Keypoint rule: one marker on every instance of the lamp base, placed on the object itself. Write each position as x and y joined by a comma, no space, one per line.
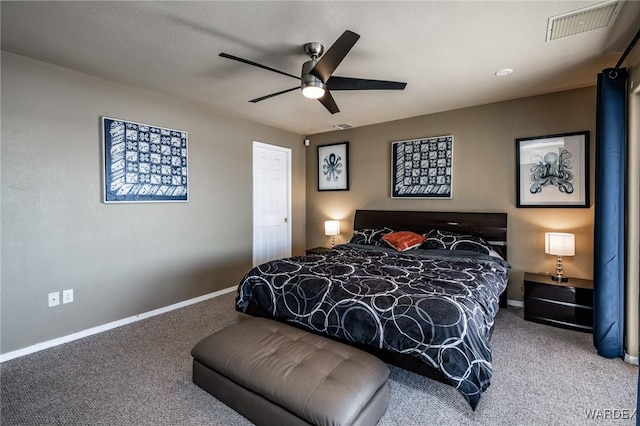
558,276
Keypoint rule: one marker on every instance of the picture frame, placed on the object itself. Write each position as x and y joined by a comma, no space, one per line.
143,162
422,168
553,170
333,167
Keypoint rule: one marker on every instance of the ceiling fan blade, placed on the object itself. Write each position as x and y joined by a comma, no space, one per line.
329,103
255,64
335,54
348,83
273,94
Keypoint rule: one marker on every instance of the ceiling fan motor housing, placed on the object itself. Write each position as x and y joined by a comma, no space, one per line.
309,80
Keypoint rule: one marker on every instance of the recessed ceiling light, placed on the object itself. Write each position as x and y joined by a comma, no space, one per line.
503,72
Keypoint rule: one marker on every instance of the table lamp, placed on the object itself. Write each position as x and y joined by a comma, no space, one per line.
332,228
559,244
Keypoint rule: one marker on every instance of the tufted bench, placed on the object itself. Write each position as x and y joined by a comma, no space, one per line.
276,374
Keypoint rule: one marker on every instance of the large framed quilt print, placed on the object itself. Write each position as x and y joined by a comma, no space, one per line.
143,163
422,168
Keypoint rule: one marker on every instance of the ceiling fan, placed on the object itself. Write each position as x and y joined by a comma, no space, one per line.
317,81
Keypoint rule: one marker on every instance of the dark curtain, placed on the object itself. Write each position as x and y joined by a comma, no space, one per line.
608,286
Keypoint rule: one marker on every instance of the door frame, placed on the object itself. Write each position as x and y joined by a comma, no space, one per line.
287,152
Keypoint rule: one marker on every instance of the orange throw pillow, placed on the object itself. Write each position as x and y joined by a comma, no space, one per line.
403,240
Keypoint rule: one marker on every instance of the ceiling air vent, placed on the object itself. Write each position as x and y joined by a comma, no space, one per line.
582,20
343,126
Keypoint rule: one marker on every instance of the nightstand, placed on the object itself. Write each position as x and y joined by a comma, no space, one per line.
317,250
566,304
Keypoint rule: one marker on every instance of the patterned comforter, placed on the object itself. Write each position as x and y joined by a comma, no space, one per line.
437,305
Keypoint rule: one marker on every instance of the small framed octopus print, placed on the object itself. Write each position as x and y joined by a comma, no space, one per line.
333,167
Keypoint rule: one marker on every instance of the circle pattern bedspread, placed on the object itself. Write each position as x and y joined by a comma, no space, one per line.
436,305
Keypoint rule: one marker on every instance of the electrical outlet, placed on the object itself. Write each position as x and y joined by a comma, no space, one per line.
67,296
54,299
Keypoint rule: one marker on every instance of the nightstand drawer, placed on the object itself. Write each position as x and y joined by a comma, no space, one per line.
559,314
578,296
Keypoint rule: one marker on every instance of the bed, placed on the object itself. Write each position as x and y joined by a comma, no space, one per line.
429,309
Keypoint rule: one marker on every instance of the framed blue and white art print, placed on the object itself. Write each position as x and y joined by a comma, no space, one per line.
333,167
143,163
422,168
553,170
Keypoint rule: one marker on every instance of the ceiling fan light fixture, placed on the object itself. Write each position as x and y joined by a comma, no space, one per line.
312,89
312,86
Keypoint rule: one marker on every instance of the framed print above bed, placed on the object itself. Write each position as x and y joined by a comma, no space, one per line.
553,171
333,167
143,163
422,168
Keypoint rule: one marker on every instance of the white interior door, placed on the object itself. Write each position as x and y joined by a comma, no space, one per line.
271,202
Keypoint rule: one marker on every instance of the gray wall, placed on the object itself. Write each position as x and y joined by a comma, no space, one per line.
120,259
632,319
483,175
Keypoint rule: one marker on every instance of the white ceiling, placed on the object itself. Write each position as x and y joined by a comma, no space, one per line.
446,51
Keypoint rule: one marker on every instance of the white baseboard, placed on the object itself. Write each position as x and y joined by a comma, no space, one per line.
109,326
630,359
515,303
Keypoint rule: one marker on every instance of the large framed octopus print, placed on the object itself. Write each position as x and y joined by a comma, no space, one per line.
553,171
333,167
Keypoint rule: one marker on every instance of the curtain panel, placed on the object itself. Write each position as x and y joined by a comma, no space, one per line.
609,238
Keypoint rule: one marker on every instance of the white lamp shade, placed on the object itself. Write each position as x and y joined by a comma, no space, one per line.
560,244
331,227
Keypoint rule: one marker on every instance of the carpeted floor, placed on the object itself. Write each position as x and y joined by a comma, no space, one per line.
140,374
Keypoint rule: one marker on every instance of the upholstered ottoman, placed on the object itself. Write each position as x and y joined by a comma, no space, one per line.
276,374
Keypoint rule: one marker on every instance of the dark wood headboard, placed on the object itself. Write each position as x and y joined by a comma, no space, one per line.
489,226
